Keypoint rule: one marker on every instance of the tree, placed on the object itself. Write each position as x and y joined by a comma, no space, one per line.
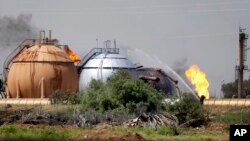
230,89
121,92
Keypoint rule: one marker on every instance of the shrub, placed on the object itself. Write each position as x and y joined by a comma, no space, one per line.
188,108
121,92
59,97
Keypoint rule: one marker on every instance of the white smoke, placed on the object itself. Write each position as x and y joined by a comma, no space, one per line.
148,60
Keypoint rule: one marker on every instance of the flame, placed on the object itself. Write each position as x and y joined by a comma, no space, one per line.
74,57
198,78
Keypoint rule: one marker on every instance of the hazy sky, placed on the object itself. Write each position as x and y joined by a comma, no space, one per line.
202,32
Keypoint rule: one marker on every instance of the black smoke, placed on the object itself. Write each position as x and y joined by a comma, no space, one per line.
13,30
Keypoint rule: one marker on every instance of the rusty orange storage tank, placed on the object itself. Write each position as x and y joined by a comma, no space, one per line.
39,70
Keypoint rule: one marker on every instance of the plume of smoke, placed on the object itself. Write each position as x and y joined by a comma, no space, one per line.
180,66
149,60
138,56
13,30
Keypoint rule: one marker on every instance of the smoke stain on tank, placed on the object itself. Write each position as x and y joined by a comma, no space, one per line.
32,78
56,81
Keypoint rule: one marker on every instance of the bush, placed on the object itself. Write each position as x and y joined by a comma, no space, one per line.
188,108
59,97
121,92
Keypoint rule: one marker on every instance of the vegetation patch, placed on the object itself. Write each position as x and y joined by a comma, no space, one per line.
168,133
188,110
149,132
60,97
234,118
122,93
12,131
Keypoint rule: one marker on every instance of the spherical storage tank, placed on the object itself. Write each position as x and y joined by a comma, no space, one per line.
100,64
38,70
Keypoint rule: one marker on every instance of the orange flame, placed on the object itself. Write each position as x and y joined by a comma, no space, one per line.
198,78
74,57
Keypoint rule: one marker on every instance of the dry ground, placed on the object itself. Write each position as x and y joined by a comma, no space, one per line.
103,132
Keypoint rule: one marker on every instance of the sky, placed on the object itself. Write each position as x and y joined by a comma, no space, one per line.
177,33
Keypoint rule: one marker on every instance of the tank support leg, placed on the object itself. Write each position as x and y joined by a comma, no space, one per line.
7,92
18,90
42,87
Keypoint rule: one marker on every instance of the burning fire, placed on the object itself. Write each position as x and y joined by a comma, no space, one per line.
198,78
74,57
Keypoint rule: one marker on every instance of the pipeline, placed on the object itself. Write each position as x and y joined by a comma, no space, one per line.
25,101
227,102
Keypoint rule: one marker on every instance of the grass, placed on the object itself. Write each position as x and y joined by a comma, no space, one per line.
200,134
169,133
12,131
149,132
233,118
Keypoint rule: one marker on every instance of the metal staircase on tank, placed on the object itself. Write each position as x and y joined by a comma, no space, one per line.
8,61
92,53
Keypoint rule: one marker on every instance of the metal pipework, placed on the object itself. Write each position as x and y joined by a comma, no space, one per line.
227,102
40,37
25,101
50,35
173,80
143,77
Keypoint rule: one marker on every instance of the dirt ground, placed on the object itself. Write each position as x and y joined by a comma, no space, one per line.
102,133
105,135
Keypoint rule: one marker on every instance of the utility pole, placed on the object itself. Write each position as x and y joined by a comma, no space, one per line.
242,58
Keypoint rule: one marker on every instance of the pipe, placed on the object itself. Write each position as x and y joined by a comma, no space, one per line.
40,37
7,92
226,102
149,78
18,89
41,83
25,101
114,43
138,67
178,92
50,35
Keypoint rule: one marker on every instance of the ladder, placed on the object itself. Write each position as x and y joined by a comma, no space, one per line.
8,61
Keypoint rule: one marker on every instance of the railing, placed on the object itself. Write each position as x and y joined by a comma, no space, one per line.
94,52
10,58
